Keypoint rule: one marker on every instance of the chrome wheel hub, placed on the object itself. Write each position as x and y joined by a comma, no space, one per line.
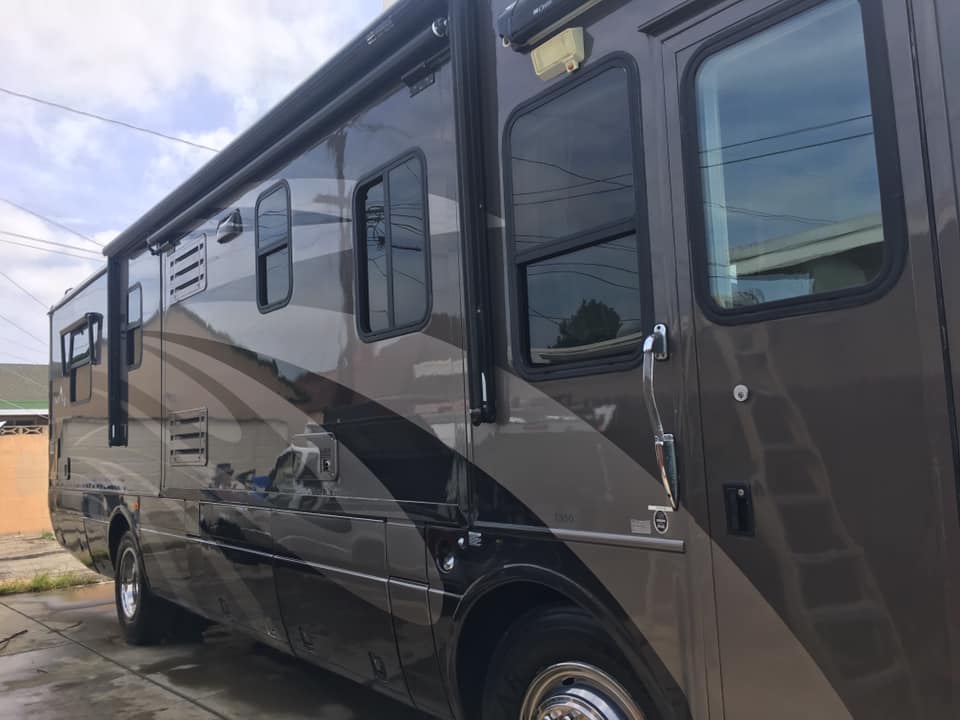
577,691
129,579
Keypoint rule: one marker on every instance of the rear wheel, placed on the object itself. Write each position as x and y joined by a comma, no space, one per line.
558,663
144,618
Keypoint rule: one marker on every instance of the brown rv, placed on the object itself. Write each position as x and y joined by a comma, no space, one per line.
553,359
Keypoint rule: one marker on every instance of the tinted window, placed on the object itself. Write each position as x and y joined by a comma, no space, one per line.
788,161
272,218
274,266
584,303
571,161
276,276
392,249
134,305
407,242
134,330
375,224
80,345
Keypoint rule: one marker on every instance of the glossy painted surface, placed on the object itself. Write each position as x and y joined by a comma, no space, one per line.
332,482
847,550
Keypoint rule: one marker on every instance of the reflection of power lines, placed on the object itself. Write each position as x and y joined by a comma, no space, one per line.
396,271
606,181
565,170
798,131
772,216
544,239
545,271
785,151
564,198
595,264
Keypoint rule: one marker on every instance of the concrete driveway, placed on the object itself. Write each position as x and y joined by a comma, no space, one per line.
72,663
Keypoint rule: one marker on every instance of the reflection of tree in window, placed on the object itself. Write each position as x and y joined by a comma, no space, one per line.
593,322
588,298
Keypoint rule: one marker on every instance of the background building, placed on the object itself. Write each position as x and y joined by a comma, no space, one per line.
24,451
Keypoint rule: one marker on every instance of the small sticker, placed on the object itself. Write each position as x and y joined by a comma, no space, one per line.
639,527
661,508
661,522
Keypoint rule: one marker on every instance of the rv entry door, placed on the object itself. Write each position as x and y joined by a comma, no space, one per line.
799,197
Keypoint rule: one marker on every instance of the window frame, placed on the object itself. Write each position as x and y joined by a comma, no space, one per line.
361,294
637,225
886,149
260,252
91,324
128,326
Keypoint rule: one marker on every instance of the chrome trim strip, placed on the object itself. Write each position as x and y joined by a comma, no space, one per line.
407,584
328,568
589,536
299,513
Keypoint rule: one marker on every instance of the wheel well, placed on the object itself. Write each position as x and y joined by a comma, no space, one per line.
118,526
483,627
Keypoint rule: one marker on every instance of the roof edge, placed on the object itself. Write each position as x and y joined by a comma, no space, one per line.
376,42
76,290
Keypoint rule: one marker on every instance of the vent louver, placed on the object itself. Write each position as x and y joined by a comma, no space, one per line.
187,268
188,437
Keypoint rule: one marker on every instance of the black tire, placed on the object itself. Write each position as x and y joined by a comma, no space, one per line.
545,638
144,618
188,627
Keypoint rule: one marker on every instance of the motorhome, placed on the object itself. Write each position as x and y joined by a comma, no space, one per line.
552,359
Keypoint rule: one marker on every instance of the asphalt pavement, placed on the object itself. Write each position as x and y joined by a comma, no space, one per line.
72,663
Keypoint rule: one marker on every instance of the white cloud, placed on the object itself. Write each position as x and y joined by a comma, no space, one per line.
44,273
199,70
104,54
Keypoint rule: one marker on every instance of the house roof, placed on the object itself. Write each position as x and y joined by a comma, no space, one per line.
24,387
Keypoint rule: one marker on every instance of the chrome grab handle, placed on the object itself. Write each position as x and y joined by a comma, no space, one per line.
654,349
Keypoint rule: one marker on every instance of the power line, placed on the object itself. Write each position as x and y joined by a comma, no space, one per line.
34,238
24,330
571,172
51,221
47,250
13,282
103,118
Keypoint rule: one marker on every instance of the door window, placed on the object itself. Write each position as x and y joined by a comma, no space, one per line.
787,160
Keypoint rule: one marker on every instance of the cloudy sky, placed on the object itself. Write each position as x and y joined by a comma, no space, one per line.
198,70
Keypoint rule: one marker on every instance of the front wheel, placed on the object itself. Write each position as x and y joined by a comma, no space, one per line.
558,663
144,618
